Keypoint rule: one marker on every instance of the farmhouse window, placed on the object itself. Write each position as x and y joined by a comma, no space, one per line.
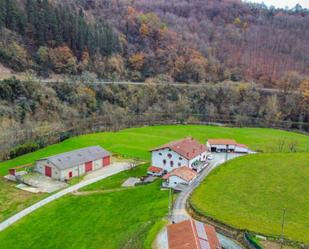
180,158
169,155
172,163
179,164
160,153
164,161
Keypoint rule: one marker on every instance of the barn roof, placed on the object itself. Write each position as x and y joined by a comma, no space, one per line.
187,147
77,157
222,141
183,172
192,234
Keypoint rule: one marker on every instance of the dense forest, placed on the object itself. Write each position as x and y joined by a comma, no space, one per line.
245,65
41,113
182,41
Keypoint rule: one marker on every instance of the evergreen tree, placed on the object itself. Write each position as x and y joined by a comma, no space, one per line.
2,13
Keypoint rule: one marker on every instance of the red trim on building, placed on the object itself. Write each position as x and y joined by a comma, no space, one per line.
48,171
88,166
106,161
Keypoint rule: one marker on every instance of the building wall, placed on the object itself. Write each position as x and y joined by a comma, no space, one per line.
201,157
76,171
97,164
241,149
158,156
175,180
64,174
220,146
40,167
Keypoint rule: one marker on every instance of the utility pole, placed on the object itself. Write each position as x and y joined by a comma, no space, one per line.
282,227
169,202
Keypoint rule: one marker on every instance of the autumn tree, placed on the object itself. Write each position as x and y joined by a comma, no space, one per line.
62,59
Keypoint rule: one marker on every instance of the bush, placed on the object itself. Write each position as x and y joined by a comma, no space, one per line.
23,149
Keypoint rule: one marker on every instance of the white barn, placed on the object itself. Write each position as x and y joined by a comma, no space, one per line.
185,152
73,163
226,145
182,175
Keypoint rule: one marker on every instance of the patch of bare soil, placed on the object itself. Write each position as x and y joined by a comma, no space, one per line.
99,191
273,245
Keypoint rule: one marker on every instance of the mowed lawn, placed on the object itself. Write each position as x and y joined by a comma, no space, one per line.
127,218
13,199
135,142
120,214
251,193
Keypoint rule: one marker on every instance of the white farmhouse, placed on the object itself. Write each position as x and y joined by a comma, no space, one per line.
185,152
179,176
226,145
74,163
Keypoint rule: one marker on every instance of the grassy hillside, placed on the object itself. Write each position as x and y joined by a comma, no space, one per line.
116,217
251,193
136,142
127,217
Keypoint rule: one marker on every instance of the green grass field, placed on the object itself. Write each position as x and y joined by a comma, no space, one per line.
136,142
251,193
111,219
122,219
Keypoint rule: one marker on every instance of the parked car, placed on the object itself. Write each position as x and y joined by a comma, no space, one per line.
210,157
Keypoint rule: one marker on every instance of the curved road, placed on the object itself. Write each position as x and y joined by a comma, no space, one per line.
105,172
179,212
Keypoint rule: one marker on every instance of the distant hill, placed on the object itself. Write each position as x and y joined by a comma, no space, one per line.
177,40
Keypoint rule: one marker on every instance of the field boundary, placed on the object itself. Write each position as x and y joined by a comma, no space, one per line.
235,233
10,221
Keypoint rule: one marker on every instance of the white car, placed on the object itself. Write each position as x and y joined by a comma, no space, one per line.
210,157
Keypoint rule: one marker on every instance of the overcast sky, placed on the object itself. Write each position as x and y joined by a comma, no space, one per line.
284,3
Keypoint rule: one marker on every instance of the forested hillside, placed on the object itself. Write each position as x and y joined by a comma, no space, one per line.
182,41
234,48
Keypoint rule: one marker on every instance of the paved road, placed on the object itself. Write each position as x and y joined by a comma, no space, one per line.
179,208
177,84
179,212
106,172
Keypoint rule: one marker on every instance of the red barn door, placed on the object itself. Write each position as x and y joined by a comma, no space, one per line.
88,166
106,161
48,171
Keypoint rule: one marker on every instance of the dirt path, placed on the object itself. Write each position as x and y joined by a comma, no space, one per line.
103,191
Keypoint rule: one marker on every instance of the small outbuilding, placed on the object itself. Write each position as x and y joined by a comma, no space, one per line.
182,175
226,145
73,163
155,171
241,148
192,234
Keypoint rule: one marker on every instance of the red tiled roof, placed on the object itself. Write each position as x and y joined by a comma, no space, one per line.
155,169
187,147
191,234
183,172
182,236
222,141
242,145
212,237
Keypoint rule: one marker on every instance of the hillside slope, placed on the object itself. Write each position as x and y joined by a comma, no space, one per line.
187,41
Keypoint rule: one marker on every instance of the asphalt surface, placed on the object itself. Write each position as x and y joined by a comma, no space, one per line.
179,212
179,208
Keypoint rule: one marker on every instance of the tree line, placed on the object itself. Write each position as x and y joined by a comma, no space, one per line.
31,109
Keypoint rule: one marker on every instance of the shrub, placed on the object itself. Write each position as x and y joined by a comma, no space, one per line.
23,149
